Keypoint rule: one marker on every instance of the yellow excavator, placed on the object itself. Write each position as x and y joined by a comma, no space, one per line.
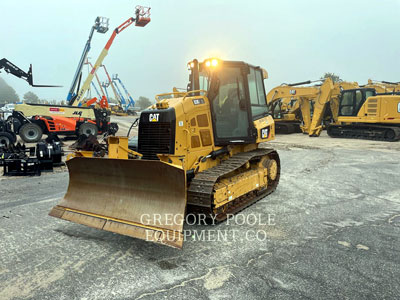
364,114
299,112
326,109
197,152
383,87
309,108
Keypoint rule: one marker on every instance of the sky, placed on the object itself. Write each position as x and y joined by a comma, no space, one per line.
293,40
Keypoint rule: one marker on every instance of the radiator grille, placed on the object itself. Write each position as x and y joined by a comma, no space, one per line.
372,107
155,138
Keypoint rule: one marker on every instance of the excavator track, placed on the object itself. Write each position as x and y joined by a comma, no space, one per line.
365,132
287,127
201,190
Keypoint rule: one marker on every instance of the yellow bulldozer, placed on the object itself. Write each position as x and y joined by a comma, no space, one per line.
197,153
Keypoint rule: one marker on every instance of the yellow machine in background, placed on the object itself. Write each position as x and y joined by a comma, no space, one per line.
365,115
308,107
299,114
199,154
320,117
383,87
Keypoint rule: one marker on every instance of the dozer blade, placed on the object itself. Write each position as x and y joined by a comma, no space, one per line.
140,198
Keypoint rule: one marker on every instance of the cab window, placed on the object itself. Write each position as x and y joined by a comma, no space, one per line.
229,105
347,104
257,93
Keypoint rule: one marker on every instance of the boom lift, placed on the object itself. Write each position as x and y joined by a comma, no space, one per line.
105,85
141,19
119,108
101,26
121,96
364,114
31,121
131,102
199,154
103,103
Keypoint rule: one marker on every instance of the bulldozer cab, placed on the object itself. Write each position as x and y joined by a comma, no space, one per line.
352,100
237,96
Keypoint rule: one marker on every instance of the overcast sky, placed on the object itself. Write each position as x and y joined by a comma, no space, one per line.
293,40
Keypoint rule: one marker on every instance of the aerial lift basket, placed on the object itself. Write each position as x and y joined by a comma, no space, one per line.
142,16
139,198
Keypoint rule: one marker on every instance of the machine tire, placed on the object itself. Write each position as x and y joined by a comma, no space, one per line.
30,132
113,129
7,138
88,129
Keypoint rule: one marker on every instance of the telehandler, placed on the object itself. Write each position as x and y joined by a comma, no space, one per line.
198,152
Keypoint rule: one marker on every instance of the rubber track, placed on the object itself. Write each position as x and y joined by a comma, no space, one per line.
201,189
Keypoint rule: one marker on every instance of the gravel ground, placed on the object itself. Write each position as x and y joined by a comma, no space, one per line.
331,230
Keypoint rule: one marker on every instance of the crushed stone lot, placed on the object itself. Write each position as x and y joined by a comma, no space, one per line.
330,230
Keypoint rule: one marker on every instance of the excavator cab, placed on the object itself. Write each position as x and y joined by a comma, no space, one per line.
352,100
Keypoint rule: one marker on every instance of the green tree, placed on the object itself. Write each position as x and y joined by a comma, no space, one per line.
335,78
31,97
7,93
143,102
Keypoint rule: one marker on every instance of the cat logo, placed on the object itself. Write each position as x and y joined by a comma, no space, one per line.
79,113
154,117
265,133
